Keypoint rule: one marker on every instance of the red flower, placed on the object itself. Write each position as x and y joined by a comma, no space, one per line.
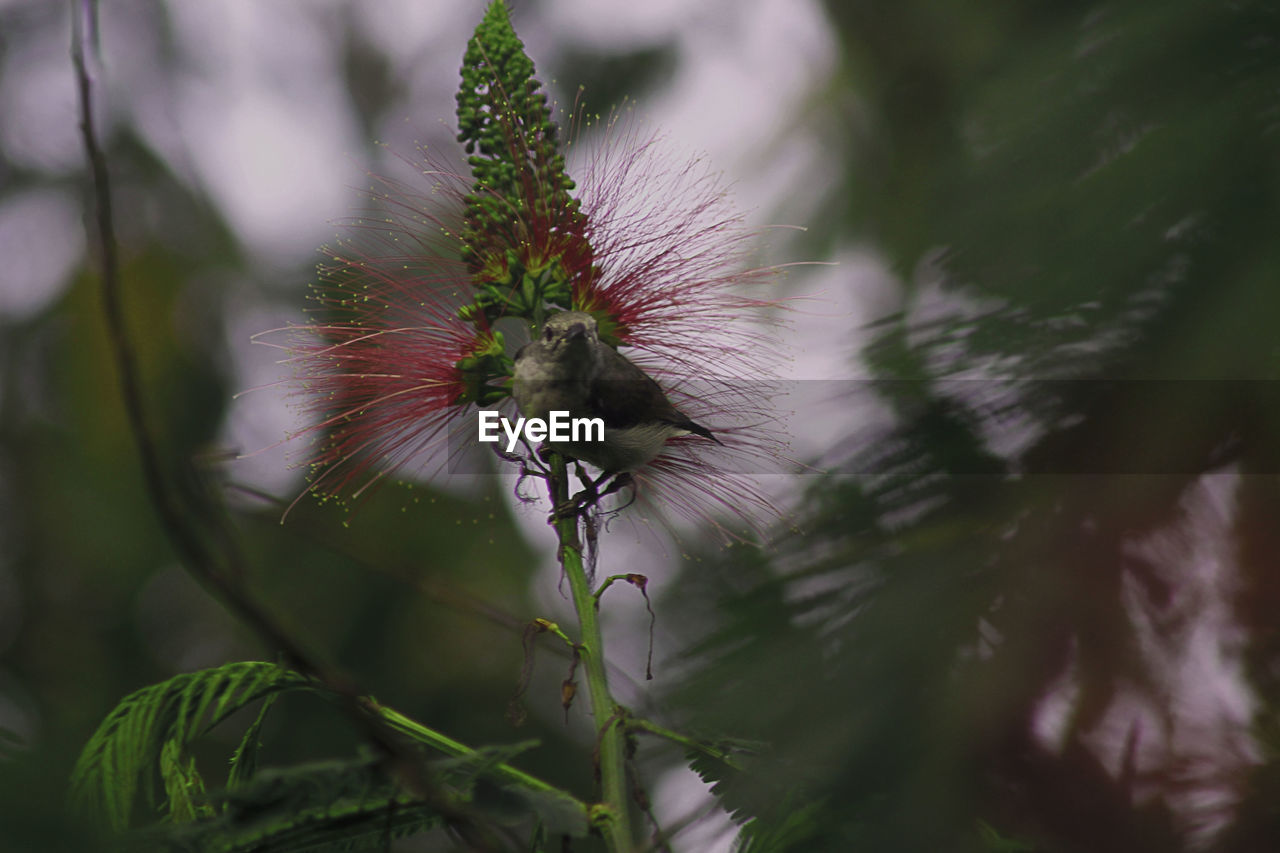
378,367
671,252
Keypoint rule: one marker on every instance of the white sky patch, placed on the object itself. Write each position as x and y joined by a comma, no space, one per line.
266,122
742,93
424,43
41,241
271,168
681,794
1196,732
744,72
618,25
1201,665
829,305
419,35
38,104
260,417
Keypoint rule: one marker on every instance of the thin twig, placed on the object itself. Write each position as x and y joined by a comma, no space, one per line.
640,582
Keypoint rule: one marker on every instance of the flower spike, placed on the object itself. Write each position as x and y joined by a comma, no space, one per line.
524,237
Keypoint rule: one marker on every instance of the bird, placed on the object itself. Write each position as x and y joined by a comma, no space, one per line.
566,367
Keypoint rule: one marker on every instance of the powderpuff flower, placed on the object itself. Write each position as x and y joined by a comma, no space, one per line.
404,341
386,369
671,257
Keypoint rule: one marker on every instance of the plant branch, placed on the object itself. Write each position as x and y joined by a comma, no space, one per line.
724,756
449,746
610,736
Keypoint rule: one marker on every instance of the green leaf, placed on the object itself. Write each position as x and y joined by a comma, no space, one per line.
244,763
351,803
794,824
724,777
183,785
347,804
125,750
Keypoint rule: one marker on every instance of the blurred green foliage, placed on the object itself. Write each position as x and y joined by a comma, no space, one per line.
1078,192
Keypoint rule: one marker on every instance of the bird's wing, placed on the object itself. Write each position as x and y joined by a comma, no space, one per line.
625,396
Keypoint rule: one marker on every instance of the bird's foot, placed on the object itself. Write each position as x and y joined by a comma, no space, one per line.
591,495
620,482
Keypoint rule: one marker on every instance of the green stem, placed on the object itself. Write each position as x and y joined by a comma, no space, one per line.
612,745
449,746
608,582
639,724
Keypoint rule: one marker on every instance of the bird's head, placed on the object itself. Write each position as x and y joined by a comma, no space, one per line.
569,334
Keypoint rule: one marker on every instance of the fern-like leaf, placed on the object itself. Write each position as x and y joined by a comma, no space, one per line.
341,805
183,785
244,762
792,829
125,751
338,805
726,776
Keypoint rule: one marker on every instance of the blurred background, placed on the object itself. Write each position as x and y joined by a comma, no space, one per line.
1026,600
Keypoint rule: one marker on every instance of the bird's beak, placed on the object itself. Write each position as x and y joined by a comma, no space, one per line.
577,330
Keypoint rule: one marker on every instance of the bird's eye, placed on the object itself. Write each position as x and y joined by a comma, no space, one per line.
546,333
